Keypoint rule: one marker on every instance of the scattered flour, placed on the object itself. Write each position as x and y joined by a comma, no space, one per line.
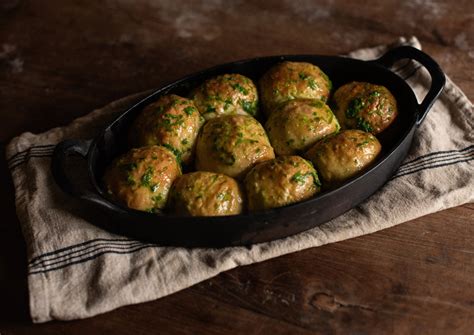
192,19
461,41
16,65
310,10
9,56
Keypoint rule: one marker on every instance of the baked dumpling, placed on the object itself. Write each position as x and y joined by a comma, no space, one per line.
298,124
171,121
343,155
205,194
364,106
292,80
279,182
226,95
141,178
231,145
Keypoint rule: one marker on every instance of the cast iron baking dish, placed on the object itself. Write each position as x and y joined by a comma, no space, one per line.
249,228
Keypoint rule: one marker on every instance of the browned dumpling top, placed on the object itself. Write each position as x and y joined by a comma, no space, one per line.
171,121
205,194
142,178
231,145
226,94
281,181
292,80
343,155
364,106
298,124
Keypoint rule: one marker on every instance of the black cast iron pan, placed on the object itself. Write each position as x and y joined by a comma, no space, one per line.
271,224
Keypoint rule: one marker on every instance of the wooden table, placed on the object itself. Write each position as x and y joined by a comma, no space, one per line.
59,59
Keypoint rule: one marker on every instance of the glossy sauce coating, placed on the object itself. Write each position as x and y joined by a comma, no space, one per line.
171,121
292,80
343,155
298,124
226,95
231,145
205,194
141,178
279,182
364,106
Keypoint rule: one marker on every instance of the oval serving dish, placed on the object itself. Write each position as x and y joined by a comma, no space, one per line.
249,228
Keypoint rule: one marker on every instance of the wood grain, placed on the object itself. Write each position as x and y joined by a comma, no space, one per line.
61,59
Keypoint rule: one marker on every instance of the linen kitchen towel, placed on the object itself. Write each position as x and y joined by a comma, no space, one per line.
77,270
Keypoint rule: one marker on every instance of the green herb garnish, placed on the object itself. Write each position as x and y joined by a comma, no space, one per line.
130,180
317,103
249,107
354,108
146,177
364,125
189,110
361,144
303,75
169,121
175,151
129,167
299,178
239,87
312,84
210,109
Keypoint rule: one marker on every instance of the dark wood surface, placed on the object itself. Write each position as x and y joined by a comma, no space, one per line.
59,59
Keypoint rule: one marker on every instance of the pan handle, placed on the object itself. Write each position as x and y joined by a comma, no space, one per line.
62,176
438,78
